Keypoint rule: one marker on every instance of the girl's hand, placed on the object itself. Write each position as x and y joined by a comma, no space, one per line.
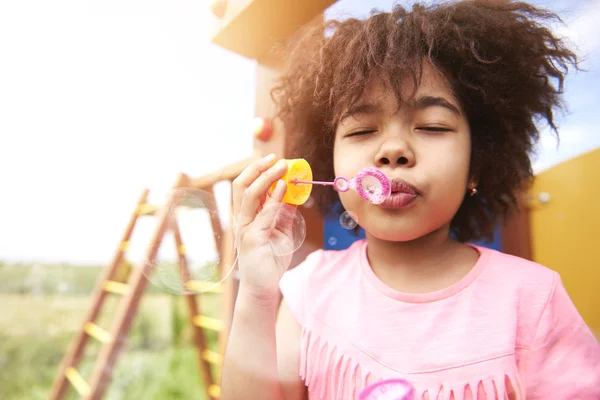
263,227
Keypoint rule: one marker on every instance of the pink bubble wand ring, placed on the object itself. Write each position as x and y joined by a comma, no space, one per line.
370,183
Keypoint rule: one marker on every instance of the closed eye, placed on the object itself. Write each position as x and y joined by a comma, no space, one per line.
433,129
359,133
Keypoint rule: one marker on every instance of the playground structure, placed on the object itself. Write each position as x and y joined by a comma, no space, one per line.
132,291
565,229
234,20
550,228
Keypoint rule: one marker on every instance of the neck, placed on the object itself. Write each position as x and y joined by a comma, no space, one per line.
431,262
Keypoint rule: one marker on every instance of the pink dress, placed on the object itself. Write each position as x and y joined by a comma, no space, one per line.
507,330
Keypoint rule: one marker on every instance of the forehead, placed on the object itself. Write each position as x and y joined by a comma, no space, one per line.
431,82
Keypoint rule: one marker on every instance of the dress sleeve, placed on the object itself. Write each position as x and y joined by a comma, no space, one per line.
295,285
563,361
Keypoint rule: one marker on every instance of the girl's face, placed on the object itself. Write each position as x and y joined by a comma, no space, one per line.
423,147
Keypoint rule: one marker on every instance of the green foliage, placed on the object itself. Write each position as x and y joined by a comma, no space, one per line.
44,306
66,279
26,362
178,321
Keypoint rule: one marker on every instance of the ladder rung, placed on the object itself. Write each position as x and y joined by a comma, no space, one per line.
209,323
97,333
116,287
80,385
185,205
203,287
214,391
147,209
212,356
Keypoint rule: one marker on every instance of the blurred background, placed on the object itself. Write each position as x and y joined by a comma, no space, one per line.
101,99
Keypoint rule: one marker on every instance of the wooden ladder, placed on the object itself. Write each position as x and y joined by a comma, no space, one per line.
132,291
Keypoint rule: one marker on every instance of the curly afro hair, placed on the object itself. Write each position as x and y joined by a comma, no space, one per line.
504,65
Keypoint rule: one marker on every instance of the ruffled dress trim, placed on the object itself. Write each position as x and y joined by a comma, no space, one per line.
337,376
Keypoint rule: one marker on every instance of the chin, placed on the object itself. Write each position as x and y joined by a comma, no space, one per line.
395,233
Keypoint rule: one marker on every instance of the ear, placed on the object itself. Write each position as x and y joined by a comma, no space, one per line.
474,174
473,181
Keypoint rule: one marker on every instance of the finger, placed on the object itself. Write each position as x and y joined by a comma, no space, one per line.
246,177
254,195
271,208
275,215
268,216
278,192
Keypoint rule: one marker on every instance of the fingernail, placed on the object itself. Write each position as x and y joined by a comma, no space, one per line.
270,157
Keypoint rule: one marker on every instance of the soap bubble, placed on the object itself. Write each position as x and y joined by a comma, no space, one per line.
281,225
190,258
287,228
332,240
348,220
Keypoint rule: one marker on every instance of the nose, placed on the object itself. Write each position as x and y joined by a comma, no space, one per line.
395,152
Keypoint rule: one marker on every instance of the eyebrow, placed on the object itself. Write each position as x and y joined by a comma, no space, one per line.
362,109
434,101
420,104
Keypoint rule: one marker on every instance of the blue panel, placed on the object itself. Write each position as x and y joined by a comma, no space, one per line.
494,244
337,237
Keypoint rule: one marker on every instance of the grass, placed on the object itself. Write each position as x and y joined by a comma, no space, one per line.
44,306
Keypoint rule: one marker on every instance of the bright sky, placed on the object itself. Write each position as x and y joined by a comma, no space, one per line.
100,99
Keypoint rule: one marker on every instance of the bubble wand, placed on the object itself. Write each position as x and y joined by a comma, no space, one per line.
370,183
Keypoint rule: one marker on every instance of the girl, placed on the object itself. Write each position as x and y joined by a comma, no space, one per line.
444,101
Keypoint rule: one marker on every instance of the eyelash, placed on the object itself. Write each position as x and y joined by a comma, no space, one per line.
434,129
428,129
359,133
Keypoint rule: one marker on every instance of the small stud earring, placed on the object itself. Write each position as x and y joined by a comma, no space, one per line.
473,191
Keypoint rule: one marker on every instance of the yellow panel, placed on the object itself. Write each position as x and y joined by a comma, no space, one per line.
252,27
565,229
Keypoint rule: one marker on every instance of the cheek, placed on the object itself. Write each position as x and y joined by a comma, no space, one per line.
352,203
341,166
449,171
452,157
336,158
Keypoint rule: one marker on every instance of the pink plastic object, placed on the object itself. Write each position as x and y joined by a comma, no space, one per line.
370,183
389,389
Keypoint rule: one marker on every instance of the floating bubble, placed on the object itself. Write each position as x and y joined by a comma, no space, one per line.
332,240
348,220
191,259
389,389
281,225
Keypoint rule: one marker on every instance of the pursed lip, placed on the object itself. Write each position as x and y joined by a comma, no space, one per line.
402,194
401,186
